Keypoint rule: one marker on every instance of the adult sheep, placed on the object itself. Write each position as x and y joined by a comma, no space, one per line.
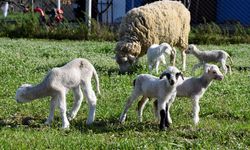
158,22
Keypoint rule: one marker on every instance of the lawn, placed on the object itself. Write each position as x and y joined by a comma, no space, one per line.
224,116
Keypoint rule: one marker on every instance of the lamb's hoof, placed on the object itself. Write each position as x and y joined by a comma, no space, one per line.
163,128
47,122
70,118
65,127
122,119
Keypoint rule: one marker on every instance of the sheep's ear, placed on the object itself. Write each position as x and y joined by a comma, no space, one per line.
165,74
131,57
179,74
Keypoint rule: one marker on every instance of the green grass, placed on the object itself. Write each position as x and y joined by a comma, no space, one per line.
224,116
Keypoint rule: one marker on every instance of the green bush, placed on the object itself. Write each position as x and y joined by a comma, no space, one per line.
28,26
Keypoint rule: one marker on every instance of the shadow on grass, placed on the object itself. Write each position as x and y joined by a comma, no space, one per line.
113,125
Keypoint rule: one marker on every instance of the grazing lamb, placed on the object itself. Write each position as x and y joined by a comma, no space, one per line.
146,85
57,83
156,54
217,56
154,23
193,88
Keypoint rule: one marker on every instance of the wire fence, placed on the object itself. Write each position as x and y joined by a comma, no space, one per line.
111,11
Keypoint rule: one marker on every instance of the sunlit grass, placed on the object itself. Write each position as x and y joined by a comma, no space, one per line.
224,116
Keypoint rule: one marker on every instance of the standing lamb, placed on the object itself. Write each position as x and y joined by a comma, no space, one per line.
191,87
146,85
57,83
156,54
217,56
161,21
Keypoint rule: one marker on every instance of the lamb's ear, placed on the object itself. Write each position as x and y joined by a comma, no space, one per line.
207,68
179,74
165,74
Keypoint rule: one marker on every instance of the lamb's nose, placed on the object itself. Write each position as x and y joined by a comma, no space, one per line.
171,82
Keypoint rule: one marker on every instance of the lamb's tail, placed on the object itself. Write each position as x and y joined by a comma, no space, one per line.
97,81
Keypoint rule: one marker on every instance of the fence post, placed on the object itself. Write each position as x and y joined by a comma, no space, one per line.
88,12
58,4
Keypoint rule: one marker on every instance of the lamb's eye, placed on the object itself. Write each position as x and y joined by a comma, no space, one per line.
214,72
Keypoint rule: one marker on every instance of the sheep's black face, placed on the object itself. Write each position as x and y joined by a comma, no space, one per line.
125,63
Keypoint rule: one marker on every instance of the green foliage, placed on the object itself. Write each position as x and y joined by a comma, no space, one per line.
28,25
224,115
211,33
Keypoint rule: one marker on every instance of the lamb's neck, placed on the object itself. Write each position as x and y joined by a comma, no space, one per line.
37,91
198,53
205,81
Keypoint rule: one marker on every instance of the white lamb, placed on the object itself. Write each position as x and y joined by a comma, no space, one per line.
216,56
150,86
156,54
57,83
191,87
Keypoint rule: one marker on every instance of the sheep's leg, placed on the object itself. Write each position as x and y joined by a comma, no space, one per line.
157,66
173,57
163,114
129,102
141,105
63,109
91,97
53,103
196,66
183,56
196,110
78,97
224,67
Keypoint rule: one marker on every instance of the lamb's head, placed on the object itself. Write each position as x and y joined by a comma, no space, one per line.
191,48
126,55
21,93
213,72
166,48
172,74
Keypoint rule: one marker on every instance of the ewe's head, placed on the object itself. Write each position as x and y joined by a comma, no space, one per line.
213,72
21,93
126,55
166,48
172,74
191,48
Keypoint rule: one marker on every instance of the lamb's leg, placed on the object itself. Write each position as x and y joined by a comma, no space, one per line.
196,110
141,105
91,97
156,109
224,67
78,97
129,102
163,114
162,58
196,66
173,57
183,56
53,103
63,108
157,66
168,108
